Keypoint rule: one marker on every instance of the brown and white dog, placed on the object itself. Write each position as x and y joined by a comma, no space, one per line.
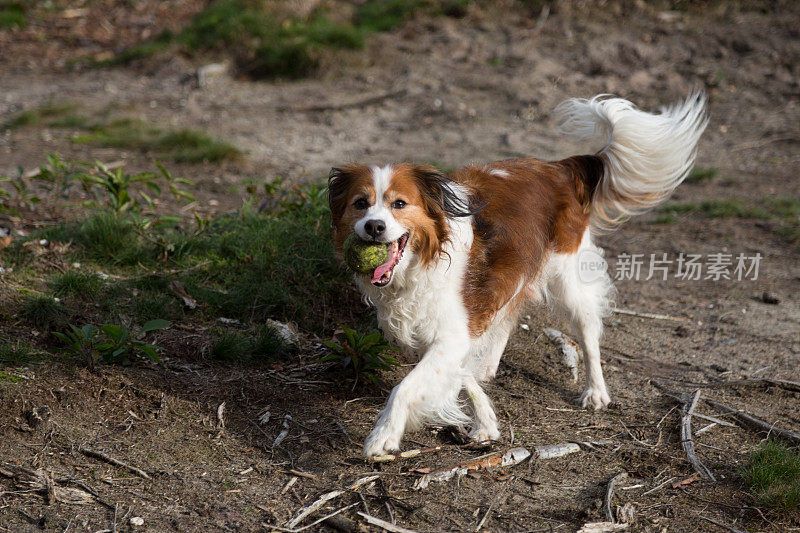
467,250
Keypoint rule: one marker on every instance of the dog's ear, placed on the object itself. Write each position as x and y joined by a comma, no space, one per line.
443,198
443,195
338,184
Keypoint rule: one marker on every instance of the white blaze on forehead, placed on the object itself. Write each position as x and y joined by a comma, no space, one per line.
381,180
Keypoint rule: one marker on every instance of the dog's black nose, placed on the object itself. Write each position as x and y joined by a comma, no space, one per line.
375,228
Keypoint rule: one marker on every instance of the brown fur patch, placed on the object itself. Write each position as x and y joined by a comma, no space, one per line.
535,209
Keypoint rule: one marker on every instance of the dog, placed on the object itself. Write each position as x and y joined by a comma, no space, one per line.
468,249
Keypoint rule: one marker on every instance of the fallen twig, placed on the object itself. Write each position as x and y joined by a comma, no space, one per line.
346,105
328,496
569,350
315,522
782,383
659,486
610,495
749,420
116,462
603,527
383,524
285,431
686,437
492,504
405,455
512,457
653,316
42,482
551,451
720,524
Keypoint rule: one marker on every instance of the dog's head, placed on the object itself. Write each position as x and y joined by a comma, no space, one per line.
404,205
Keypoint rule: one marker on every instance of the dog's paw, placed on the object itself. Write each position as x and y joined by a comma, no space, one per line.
483,434
381,441
595,398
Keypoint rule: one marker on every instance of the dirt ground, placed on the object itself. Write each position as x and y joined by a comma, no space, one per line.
450,91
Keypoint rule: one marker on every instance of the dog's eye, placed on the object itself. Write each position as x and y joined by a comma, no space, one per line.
360,204
398,204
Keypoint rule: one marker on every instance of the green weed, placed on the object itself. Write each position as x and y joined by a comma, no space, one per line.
42,311
12,14
111,343
76,284
773,476
699,174
365,355
265,343
266,41
41,115
105,237
717,209
16,354
184,145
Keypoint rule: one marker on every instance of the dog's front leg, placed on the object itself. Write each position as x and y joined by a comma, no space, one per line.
428,393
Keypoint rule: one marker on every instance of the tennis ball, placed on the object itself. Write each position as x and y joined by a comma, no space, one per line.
364,256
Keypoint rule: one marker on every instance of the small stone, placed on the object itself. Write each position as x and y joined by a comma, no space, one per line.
137,521
769,298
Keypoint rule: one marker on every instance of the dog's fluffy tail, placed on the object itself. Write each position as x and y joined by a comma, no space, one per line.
646,155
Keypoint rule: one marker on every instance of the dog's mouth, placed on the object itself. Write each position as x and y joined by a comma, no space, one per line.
383,274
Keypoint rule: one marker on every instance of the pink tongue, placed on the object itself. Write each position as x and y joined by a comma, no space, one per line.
387,266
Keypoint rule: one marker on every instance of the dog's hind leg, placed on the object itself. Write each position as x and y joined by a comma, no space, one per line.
583,296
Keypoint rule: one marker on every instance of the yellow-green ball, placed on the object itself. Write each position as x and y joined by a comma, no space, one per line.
364,256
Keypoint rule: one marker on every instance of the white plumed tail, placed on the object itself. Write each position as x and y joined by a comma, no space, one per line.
646,156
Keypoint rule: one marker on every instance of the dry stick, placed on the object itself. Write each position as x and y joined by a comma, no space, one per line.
512,457
405,455
491,505
686,438
782,383
752,421
314,523
720,524
327,497
653,316
383,524
116,462
670,480
610,494
357,103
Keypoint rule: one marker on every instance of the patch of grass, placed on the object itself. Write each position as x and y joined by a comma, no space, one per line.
183,145
268,41
16,354
50,112
236,346
666,218
148,305
384,15
699,174
42,311
12,14
773,476
188,146
717,209
105,237
78,284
